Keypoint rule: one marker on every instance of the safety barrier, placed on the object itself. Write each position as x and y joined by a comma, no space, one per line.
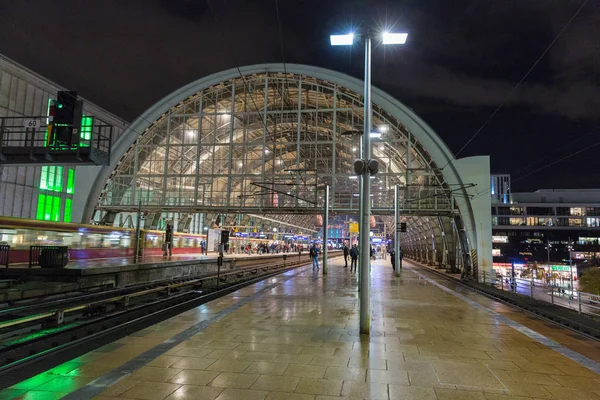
48,256
549,291
4,254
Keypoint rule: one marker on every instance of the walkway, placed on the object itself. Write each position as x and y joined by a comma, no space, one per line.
295,337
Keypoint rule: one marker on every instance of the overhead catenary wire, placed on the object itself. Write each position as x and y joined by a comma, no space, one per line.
514,89
566,157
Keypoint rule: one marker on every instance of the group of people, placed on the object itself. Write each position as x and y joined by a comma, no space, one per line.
353,253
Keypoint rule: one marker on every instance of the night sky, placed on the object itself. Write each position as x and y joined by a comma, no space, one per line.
462,59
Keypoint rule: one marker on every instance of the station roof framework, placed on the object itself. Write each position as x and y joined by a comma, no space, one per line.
257,145
268,143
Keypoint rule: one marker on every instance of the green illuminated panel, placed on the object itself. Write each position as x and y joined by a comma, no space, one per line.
86,128
67,210
51,178
40,206
71,181
48,208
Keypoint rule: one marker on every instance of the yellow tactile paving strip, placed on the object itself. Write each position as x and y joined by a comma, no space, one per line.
299,340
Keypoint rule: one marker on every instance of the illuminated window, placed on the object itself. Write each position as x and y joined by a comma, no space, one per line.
516,221
67,210
48,208
51,178
86,130
499,239
71,181
576,222
577,211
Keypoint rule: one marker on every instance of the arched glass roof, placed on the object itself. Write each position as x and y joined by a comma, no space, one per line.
268,143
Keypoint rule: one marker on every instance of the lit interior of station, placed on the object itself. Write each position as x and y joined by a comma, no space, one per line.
256,148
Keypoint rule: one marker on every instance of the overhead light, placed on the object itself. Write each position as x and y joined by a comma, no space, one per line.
342,40
353,177
354,149
394,38
383,128
375,135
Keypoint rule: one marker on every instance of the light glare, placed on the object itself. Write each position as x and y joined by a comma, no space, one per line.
342,40
394,38
375,135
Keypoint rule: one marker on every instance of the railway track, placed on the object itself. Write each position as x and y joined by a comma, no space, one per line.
37,337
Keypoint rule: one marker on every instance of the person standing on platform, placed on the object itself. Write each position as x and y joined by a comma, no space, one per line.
168,241
314,255
353,258
393,259
346,254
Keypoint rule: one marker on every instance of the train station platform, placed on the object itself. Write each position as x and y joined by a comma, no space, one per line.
295,336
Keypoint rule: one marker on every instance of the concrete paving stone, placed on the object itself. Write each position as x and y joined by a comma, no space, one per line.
276,383
365,390
319,386
194,377
192,392
239,394
151,391
401,392
234,380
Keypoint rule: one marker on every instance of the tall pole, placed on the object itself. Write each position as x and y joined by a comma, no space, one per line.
360,195
138,231
571,266
365,253
325,233
397,234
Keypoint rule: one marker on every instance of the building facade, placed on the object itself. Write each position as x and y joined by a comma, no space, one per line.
551,228
47,192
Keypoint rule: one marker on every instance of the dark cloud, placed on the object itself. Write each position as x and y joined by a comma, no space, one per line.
462,59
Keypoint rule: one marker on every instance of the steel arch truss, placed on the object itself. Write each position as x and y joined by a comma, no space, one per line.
262,146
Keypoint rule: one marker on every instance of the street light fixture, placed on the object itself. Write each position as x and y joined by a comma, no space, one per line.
365,168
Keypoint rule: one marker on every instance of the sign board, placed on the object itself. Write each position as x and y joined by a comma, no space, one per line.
353,227
32,123
561,268
213,239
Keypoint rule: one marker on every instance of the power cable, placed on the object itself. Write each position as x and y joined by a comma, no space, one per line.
514,89
560,149
574,153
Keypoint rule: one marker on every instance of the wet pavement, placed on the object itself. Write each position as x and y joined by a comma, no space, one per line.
295,336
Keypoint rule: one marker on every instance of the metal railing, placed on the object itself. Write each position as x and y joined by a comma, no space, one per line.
549,291
4,254
48,255
31,132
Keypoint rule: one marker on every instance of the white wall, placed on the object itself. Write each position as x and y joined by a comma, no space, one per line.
476,171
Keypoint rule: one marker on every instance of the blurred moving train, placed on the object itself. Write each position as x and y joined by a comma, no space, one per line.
87,241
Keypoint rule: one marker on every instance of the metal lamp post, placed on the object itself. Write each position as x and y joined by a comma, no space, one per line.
571,266
366,167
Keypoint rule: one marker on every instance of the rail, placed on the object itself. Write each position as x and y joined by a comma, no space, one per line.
57,314
549,291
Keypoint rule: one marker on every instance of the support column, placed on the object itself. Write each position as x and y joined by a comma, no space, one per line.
397,234
365,220
325,233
